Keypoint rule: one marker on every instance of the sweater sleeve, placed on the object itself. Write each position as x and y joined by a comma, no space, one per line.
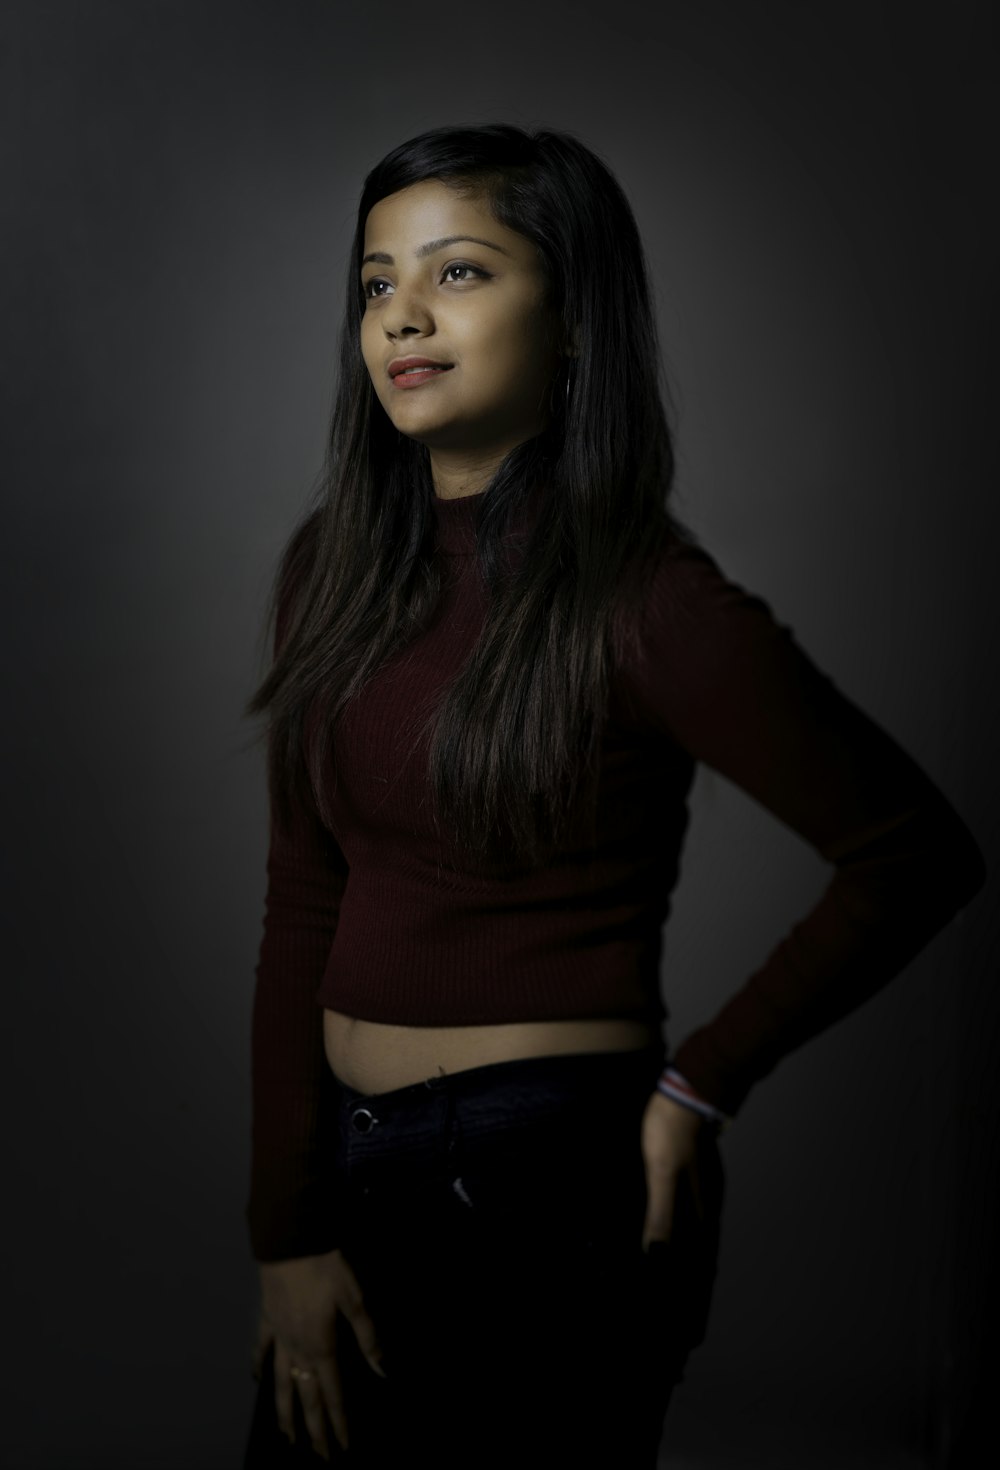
292,1207
719,675
291,1210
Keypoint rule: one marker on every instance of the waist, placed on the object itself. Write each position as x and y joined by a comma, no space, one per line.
372,1057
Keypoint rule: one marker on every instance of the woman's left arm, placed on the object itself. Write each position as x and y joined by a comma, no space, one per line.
722,678
729,683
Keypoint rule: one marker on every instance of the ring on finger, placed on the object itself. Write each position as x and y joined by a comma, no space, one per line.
303,1374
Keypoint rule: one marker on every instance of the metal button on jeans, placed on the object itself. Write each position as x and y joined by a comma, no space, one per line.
363,1120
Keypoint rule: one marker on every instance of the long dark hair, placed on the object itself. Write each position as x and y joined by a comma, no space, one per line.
514,742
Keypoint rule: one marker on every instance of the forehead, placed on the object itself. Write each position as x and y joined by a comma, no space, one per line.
432,210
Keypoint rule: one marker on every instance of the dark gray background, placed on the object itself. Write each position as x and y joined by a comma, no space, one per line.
813,184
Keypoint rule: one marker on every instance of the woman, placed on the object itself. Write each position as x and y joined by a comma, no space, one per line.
498,659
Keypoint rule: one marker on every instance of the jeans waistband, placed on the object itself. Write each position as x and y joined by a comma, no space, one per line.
497,1096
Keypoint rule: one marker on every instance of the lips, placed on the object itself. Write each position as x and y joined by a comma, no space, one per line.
410,366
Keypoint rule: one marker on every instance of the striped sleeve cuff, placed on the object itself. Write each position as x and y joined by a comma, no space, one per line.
679,1090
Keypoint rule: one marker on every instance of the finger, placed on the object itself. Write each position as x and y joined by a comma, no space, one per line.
328,1373
311,1399
265,1337
354,1309
283,1391
661,1195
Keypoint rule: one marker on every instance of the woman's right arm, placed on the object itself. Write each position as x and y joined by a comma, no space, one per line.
307,1285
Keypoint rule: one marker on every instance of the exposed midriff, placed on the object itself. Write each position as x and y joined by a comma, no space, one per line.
374,1057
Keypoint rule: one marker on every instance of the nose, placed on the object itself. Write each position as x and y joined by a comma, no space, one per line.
406,314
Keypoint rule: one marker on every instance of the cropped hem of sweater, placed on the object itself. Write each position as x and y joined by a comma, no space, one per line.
371,917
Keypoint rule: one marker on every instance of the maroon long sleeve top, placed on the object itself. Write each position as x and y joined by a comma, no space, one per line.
369,917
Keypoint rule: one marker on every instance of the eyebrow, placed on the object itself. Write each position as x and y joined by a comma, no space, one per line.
379,257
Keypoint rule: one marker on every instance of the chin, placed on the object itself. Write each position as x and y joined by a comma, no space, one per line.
426,430
413,429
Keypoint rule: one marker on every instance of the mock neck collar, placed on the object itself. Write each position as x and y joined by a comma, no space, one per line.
456,521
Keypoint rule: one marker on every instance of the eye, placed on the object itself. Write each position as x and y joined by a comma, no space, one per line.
460,272
375,288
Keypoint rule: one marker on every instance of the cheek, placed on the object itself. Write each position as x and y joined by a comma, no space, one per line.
373,366
527,353
532,328
516,347
366,347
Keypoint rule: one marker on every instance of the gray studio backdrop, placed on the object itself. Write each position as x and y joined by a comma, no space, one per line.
810,184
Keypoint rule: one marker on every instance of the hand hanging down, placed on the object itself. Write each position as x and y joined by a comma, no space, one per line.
303,1303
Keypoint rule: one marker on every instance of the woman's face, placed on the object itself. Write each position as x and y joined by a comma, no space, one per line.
448,285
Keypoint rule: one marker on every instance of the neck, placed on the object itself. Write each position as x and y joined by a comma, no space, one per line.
456,475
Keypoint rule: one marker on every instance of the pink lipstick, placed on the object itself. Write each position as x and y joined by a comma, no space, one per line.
410,372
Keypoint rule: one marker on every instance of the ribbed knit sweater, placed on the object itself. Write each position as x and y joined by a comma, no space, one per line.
369,916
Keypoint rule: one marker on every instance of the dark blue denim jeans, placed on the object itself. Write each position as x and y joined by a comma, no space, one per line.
494,1220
